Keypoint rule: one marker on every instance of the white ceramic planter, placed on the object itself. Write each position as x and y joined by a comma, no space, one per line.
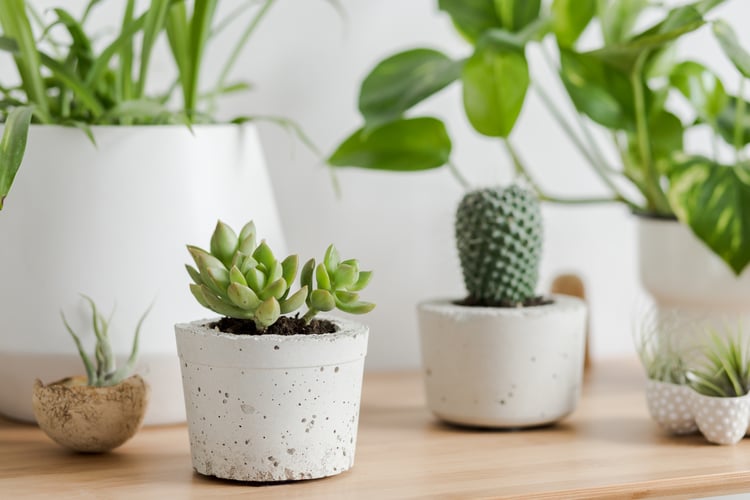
111,222
271,407
688,281
721,420
502,367
670,406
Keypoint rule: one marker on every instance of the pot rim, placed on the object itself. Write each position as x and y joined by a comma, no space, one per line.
561,303
347,328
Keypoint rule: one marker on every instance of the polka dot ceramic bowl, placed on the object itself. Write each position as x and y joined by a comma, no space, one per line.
669,405
681,410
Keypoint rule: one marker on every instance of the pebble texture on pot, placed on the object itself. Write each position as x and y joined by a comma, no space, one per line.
272,407
503,367
669,405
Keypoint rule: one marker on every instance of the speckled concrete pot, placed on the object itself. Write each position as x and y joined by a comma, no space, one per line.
90,419
271,407
721,420
669,405
503,367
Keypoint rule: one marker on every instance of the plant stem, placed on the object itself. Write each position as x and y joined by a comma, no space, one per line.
655,196
595,159
309,315
458,175
522,171
739,115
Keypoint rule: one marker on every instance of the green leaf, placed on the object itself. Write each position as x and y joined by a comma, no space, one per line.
356,307
618,18
726,122
402,145
494,89
597,90
331,259
12,148
322,278
322,300
701,87
267,313
471,17
289,268
665,135
345,276
714,200
294,302
570,18
275,288
243,297
153,24
403,80
223,243
731,46
517,14
362,281
623,54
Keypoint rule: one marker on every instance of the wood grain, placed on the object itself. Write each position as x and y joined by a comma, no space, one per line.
609,448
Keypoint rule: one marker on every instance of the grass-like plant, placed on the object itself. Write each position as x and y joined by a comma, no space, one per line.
725,371
655,344
68,76
102,371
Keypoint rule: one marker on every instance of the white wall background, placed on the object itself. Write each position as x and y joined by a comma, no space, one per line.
307,63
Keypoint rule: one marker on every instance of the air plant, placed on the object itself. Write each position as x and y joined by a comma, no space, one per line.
661,359
103,372
725,370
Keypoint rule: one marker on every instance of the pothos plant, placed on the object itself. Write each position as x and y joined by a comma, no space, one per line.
623,86
67,74
241,279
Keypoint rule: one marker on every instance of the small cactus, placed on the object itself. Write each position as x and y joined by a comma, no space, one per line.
240,279
499,240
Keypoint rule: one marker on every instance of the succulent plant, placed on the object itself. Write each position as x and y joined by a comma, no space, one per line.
104,372
499,240
337,285
241,279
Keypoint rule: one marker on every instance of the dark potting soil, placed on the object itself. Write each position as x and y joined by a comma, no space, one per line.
532,302
285,325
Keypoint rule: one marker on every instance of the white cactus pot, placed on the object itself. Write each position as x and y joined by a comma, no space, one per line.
271,407
670,406
721,420
112,221
503,367
687,281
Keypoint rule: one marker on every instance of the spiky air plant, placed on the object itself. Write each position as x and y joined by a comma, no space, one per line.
725,371
103,372
241,279
499,240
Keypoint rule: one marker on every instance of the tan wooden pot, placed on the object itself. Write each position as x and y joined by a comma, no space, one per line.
90,419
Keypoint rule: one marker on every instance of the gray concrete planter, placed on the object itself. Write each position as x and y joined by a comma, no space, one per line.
503,367
270,407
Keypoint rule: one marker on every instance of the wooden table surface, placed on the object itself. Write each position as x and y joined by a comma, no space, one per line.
608,448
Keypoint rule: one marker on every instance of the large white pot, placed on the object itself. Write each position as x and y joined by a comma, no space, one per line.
272,407
503,367
112,222
689,282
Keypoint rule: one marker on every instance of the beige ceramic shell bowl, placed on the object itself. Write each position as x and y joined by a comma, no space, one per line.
90,419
